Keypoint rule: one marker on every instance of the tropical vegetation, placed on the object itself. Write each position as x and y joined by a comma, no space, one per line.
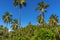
41,31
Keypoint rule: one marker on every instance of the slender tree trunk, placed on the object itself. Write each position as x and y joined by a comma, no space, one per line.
43,18
19,17
19,14
7,25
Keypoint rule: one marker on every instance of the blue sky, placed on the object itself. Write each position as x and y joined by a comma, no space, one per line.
28,13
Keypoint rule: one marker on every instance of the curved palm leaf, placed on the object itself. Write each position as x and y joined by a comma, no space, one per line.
20,3
40,19
7,17
53,19
42,6
15,24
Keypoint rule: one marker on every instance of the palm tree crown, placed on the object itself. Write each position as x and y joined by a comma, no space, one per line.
53,19
15,24
19,2
7,17
40,19
42,6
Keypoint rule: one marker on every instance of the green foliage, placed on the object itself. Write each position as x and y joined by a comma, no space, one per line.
14,25
19,3
7,17
44,34
53,20
40,19
30,32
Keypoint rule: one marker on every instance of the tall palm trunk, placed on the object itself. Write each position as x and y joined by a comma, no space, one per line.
43,18
19,14
6,24
19,18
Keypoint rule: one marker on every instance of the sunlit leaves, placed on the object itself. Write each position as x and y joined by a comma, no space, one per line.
19,3
44,34
7,17
40,19
42,6
53,19
15,2
15,24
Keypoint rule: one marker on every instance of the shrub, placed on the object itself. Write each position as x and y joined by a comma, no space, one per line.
43,34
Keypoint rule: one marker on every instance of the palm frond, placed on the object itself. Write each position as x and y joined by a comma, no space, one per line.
46,6
20,5
7,17
54,18
43,5
24,3
15,3
38,8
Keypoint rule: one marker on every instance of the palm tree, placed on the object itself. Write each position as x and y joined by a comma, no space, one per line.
5,29
42,6
19,3
53,19
1,32
15,25
7,17
40,19
1,29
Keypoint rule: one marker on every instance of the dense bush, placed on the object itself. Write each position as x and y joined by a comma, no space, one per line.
44,34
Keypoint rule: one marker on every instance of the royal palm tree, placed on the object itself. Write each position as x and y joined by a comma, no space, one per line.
53,19
42,7
15,24
19,3
7,17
